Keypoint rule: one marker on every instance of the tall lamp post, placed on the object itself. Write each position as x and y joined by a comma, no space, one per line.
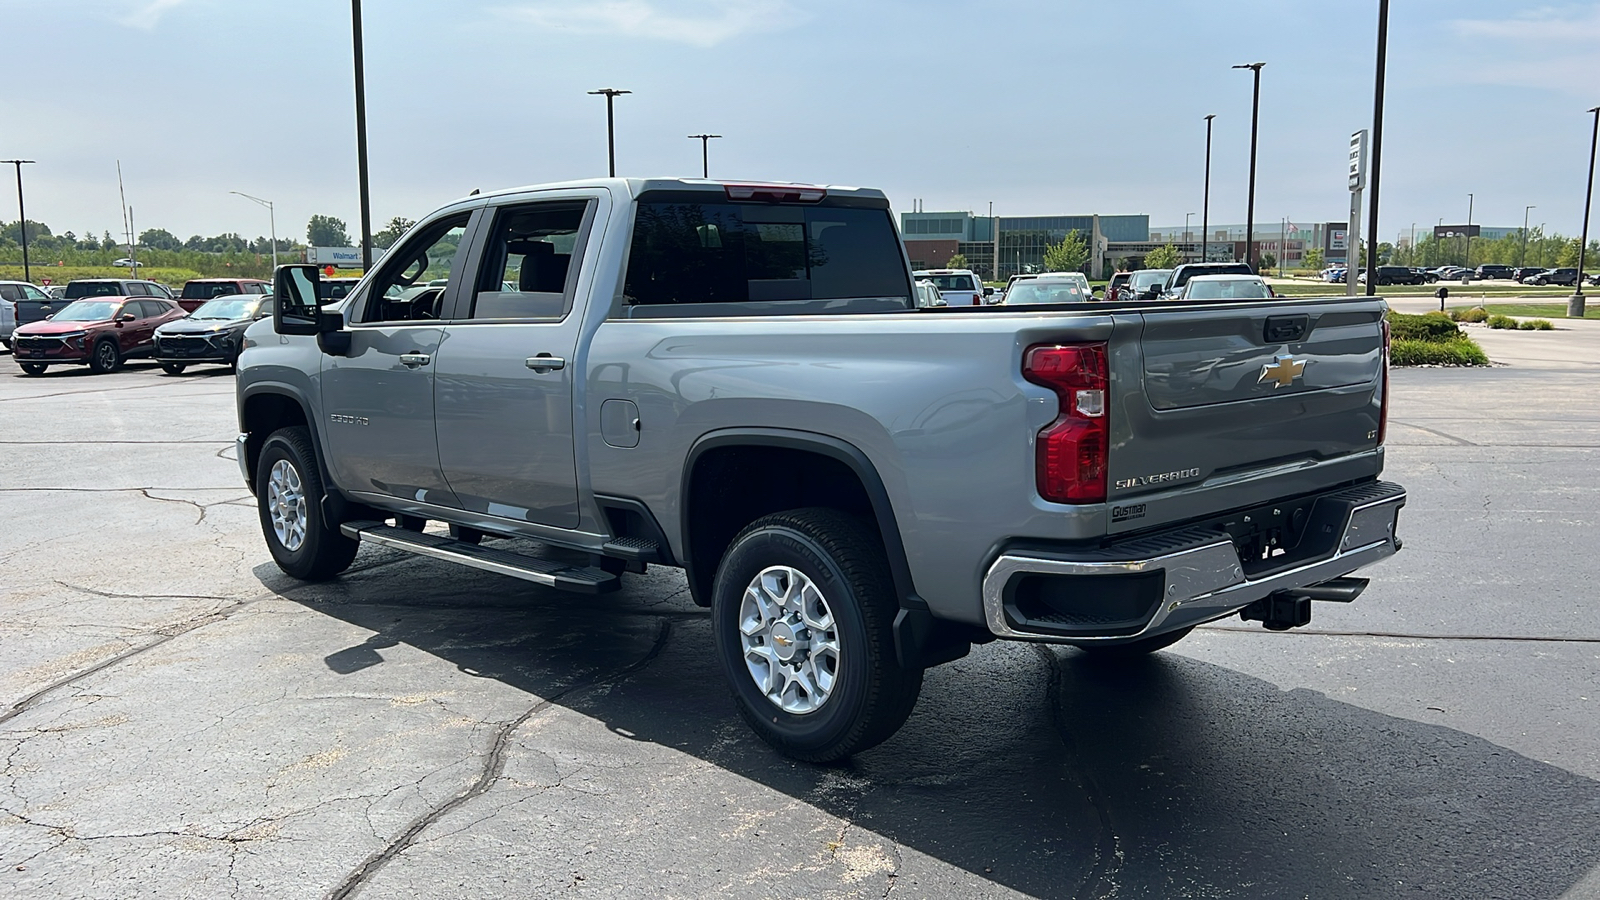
1205,206
1576,301
21,215
1467,262
1377,148
272,221
1250,211
1186,218
705,158
361,138
1522,256
611,125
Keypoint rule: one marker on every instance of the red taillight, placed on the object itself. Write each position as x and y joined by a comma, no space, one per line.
1071,452
1383,411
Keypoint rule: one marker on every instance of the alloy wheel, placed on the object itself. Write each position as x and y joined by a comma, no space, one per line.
286,505
789,639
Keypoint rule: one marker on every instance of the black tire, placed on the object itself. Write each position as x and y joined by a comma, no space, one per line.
871,694
106,357
33,368
1133,649
323,552
173,368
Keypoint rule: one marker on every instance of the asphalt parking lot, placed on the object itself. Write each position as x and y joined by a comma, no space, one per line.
177,719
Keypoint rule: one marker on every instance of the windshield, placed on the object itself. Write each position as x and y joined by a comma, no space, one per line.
88,311
230,308
1227,289
93,289
201,290
1149,278
1189,272
951,282
1046,292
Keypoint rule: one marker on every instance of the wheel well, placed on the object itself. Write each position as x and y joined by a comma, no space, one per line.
730,487
262,415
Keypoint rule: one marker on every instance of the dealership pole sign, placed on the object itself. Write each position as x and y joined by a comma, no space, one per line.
1358,181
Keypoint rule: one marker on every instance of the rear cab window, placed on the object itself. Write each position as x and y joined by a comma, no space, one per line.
701,254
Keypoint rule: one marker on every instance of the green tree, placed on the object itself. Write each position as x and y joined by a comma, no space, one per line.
1313,258
386,236
160,239
1268,261
1568,255
1166,257
1067,256
326,231
959,261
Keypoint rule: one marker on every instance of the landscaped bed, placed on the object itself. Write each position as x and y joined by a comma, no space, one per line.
1431,340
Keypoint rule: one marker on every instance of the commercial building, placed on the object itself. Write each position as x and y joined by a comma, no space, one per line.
1288,242
1001,246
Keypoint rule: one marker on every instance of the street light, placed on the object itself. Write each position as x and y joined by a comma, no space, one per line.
1377,147
1186,218
1467,263
1522,256
21,213
611,125
361,139
1205,207
1575,302
272,220
705,160
1250,211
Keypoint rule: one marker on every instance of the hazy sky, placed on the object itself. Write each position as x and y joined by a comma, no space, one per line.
1041,106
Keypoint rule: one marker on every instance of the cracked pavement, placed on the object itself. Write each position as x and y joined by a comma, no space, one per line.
178,719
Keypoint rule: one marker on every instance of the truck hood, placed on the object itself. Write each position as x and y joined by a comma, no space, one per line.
49,328
200,326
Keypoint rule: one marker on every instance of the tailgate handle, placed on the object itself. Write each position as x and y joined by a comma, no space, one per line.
1286,329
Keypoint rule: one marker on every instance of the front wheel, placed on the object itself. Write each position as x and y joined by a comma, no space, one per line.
803,609
33,368
1133,649
289,497
106,357
173,368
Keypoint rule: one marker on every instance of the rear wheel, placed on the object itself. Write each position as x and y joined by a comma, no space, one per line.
33,368
289,496
1133,649
173,368
803,609
106,357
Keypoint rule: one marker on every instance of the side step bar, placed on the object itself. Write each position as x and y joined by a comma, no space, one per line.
583,580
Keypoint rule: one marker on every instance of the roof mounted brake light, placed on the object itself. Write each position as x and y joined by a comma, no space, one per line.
776,193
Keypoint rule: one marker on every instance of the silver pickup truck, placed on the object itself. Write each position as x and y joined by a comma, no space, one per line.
736,380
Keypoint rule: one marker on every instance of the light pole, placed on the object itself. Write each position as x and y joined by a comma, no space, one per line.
705,159
1205,206
1186,218
611,125
1467,262
1377,148
1575,302
1250,211
361,138
272,220
21,215
1522,255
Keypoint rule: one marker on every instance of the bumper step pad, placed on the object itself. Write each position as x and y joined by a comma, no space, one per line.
550,573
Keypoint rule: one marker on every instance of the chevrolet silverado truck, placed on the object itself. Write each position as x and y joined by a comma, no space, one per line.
736,380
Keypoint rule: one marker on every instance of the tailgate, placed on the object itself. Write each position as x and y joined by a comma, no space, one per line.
1241,404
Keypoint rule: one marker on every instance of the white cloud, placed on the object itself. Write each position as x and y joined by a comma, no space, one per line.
703,23
148,15
1544,25
1550,48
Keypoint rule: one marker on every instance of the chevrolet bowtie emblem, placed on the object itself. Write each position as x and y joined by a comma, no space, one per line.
781,641
1282,371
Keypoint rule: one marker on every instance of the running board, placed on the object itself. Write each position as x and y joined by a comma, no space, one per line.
502,562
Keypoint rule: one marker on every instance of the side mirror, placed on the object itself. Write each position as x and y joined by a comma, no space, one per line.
988,292
127,317
297,290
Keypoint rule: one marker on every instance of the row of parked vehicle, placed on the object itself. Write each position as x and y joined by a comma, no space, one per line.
103,322
1531,275
1192,281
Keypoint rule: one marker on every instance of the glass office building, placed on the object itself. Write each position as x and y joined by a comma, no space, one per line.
1019,241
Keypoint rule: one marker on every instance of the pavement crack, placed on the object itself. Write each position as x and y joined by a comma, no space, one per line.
1108,853
1458,441
493,767
115,596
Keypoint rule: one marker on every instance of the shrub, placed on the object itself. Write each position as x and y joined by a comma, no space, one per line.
1456,314
1431,327
1475,314
1501,322
1460,352
1538,325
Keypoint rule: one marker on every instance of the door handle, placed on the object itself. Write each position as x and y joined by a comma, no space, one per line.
413,360
544,362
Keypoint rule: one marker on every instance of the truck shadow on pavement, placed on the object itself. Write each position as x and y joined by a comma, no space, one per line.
1031,768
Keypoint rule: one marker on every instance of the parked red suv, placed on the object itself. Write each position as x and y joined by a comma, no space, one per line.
198,290
99,331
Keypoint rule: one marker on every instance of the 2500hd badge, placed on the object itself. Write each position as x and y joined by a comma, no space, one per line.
1162,478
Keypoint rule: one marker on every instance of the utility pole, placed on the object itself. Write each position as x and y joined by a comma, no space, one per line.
1522,255
611,125
361,138
1250,211
705,140
1205,207
1186,218
1576,301
1377,147
1467,263
22,214
272,220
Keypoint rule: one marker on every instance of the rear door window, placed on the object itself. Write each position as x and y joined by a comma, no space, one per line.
11,292
691,253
